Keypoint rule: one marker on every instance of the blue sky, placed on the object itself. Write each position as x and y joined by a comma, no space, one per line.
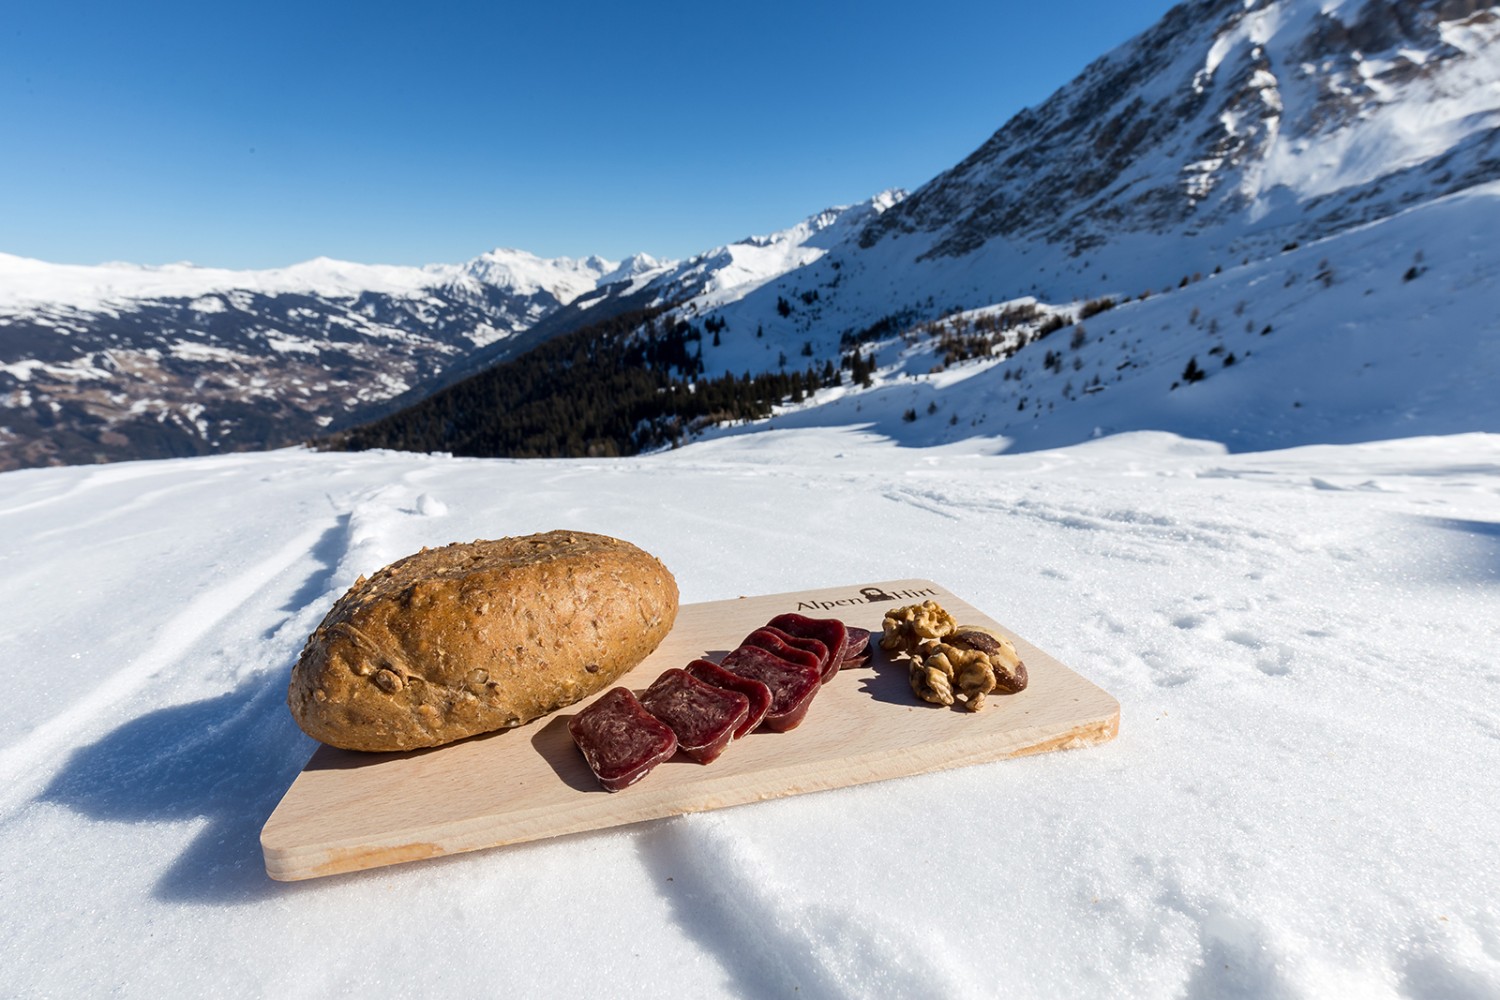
241,135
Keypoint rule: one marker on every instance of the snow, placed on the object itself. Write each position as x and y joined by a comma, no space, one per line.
26,284
526,273
21,370
287,344
188,350
1302,800
1405,125
728,273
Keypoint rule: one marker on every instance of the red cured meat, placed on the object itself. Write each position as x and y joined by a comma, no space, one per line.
829,631
788,647
703,716
859,641
792,685
812,646
755,691
620,740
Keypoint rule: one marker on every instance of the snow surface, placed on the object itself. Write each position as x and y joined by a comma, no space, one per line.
1302,801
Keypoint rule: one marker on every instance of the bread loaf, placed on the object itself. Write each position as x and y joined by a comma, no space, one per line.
475,637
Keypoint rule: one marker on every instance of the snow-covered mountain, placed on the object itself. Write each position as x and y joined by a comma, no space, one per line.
1316,175
40,285
1241,125
1321,171
124,361
728,273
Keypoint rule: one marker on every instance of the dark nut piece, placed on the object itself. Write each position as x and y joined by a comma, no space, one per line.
1010,672
973,637
1012,681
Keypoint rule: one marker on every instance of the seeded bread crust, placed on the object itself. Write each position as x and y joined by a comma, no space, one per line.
479,636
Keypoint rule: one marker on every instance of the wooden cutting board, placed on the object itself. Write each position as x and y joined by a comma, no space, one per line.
348,811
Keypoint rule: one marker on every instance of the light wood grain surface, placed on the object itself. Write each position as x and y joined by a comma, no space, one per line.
349,811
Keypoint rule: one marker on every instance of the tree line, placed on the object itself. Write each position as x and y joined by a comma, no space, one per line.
621,386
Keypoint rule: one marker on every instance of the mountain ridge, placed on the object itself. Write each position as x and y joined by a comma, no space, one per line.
1229,134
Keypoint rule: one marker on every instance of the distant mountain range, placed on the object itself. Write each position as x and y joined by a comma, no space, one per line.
120,361
1243,164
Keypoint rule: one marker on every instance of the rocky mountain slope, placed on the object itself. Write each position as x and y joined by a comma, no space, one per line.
1225,133
1273,165
1270,121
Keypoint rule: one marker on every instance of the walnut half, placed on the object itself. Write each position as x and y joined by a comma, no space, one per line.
908,629
930,683
949,659
968,669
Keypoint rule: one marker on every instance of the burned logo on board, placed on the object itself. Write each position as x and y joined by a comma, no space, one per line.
867,595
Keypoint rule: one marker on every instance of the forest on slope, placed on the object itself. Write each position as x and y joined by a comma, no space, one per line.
626,384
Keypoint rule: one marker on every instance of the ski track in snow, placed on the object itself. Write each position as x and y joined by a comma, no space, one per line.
177,637
771,940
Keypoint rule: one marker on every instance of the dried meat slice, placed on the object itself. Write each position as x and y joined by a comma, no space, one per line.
857,653
812,646
829,631
756,691
703,716
859,642
808,652
792,684
620,740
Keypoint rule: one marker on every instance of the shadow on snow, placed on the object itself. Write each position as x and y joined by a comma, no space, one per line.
228,758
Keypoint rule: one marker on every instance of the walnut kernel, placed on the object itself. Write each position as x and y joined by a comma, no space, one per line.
907,629
930,683
969,670
948,660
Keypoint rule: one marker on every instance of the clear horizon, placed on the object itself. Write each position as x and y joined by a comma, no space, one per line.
253,138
